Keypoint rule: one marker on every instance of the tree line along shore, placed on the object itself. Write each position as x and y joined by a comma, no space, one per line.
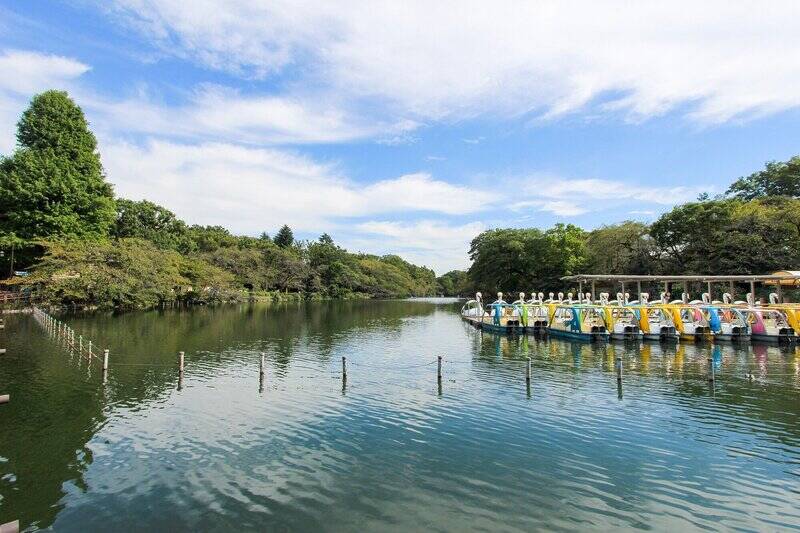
81,246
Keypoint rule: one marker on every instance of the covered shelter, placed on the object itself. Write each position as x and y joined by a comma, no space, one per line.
780,279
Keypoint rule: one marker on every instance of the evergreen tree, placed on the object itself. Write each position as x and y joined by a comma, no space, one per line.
284,238
53,185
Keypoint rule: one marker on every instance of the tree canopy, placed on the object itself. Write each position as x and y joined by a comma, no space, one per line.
284,237
53,185
779,178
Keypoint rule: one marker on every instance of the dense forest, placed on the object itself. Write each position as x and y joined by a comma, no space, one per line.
60,220
753,228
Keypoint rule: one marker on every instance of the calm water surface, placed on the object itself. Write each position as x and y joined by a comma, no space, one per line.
389,450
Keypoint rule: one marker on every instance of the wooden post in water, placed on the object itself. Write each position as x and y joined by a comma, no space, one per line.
711,377
105,360
10,527
80,343
528,371
90,350
180,362
619,369
261,365
344,368
439,368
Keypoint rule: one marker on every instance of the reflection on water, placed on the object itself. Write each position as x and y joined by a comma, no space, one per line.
392,448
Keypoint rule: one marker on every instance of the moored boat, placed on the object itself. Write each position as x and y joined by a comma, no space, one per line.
621,322
727,323
501,317
537,315
690,322
655,323
577,321
768,325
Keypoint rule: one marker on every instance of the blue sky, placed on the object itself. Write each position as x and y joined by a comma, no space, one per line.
408,127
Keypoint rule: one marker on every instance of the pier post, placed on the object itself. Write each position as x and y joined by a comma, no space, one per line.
619,369
711,376
261,365
80,343
439,368
5,398
344,367
528,371
180,362
10,527
105,360
90,350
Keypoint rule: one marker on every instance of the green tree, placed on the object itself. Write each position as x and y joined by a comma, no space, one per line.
453,283
284,238
152,222
730,236
210,238
624,248
53,185
779,178
127,273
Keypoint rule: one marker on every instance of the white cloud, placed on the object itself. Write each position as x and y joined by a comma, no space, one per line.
23,74
587,192
249,190
219,113
439,245
459,58
562,208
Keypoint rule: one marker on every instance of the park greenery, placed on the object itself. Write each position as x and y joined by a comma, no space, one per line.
82,246
753,228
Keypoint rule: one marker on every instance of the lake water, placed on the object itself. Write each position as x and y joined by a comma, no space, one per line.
388,450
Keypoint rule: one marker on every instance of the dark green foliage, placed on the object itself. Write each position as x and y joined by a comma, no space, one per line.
285,237
128,273
210,238
779,178
453,283
520,259
152,222
730,236
53,186
625,247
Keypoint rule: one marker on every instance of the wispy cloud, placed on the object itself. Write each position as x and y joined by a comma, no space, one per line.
717,59
251,189
23,74
586,191
441,245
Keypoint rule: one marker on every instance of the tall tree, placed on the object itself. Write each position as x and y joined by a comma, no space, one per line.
53,185
157,224
624,248
779,178
284,238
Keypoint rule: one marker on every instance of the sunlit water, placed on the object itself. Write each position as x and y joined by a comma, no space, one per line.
388,449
